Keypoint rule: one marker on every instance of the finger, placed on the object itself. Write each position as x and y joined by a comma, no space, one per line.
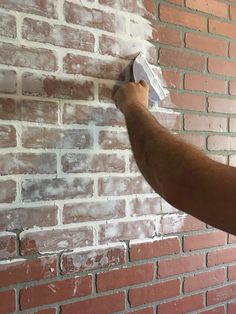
143,83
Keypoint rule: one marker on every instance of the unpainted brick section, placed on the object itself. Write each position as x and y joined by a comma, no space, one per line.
8,301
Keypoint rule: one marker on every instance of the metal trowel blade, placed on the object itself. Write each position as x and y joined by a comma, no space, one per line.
143,71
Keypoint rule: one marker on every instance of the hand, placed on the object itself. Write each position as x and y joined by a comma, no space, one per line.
132,95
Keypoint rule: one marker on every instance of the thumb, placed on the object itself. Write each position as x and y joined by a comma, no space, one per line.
143,83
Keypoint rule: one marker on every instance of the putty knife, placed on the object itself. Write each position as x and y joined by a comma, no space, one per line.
142,70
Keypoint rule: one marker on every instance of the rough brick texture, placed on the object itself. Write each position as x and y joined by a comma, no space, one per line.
80,229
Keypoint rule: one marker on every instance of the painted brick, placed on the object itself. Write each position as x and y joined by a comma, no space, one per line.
185,101
78,163
209,6
7,136
222,256
41,137
206,44
27,110
196,140
203,241
7,191
184,305
7,82
183,18
26,163
172,78
34,58
148,206
119,278
8,301
46,8
104,304
221,294
55,240
51,86
180,223
127,230
154,249
170,120
55,291
56,189
205,123
204,280
18,271
205,84
7,246
92,211
43,32
179,265
182,60
156,292
7,25
27,217
95,258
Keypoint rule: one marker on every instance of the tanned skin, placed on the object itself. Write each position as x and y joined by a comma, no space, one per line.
176,170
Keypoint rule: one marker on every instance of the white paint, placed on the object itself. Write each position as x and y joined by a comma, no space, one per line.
176,223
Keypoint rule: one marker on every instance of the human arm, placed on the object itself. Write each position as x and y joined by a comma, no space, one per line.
178,171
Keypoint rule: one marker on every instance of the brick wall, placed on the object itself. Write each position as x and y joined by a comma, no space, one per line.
80,230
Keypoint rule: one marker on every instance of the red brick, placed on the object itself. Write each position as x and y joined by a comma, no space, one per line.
232,124
148,310
232,238
232,50
28,110
206,44
116,186
170,120
180,223
7,25
84,115
205,123
105,92
154,249
47,311
7,136
219,158
222,28
185,102
148,206
55,240
28,217
7,245
79,163
205,84
7,191
7,83
173,78
120,278
222,256
105,305
204,240
196,140
120,47
75,64
144,8
220,142
209,6
167,36
27,270
43,32
231,308
177,2
216,310
51,86
231,272
56,189
46,8
221,294
233,13
204,280
224,105
34,58
221,67
55,291
183,18
92,211
179,265
27,163
182,60
232,87
8,301
155,292
127,230
92,259
184,305
41,137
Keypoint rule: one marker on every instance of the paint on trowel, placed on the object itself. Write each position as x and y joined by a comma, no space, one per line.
142,70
